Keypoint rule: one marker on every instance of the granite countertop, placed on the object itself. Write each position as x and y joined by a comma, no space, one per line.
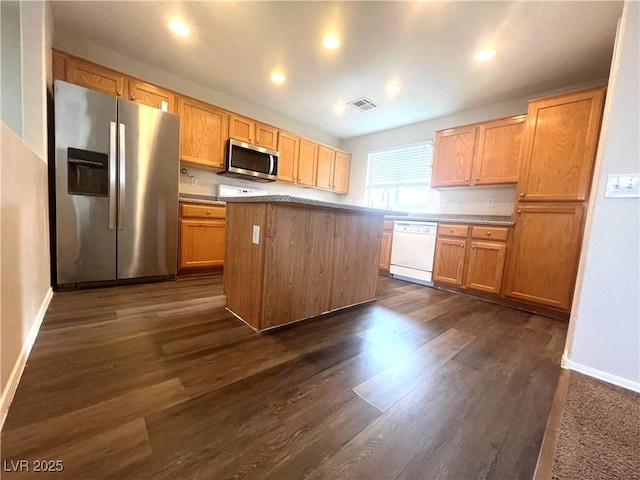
310,202
502,220
205,199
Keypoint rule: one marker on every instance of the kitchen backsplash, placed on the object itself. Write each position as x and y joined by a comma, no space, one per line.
207,182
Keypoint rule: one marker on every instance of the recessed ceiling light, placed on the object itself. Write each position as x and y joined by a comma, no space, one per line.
277,77
485,54
393,87
339,108
179,28
331,42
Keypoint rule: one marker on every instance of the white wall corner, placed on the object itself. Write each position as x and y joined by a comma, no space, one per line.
16,374
600,375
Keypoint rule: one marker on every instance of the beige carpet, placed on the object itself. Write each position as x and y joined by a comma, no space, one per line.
599,435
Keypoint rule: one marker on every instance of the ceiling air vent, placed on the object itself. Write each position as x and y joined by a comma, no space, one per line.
363,104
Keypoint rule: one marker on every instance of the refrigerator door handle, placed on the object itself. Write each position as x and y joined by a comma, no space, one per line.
112,175
121,173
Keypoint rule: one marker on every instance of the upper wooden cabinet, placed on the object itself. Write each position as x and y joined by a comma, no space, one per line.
453,156
247,130
325,165
498,151
560,141
543,260
95,77
148,94
307,163
288,147
204,130
341,172
481,154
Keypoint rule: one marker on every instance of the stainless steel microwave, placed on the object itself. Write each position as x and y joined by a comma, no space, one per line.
251,162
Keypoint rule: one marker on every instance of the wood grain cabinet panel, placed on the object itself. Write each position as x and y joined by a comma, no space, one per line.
561,137
266,136
307,163
151,95
241,128
325,164
59,65
543,260
207,212
342,172
95,77
498,151
385,246
201,243
449,260
204,130
489,233
485,266
453,230
289,148
453,156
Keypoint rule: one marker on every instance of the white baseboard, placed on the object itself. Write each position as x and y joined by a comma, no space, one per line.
600,375
18,368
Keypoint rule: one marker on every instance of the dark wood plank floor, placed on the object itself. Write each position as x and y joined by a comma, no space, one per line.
158,381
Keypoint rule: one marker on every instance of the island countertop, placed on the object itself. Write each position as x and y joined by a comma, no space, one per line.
308,202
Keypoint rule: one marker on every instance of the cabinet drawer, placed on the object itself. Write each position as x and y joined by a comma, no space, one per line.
449,230
189,210
388,226
490,233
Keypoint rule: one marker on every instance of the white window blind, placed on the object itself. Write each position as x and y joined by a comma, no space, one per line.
398,178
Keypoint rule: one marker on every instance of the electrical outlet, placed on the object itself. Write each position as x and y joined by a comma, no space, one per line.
193,181
444,203
459,204
625,186
256,234
490,203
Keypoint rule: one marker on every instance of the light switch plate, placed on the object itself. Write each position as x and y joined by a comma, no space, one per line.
164,106
444,203
256,234
491,203
623,186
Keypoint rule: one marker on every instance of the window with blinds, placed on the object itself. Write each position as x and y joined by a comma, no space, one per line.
398,178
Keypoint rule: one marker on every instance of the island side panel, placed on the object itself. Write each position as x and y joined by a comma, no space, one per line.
357,240
244,261
298,262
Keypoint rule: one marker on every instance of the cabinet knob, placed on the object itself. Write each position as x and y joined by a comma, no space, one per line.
461,245
477,178
133,97
489,234
208,212
473,246
466,179
519,211
451,230
119,93
522,194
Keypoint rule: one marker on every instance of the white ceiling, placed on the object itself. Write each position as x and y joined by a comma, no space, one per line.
428,47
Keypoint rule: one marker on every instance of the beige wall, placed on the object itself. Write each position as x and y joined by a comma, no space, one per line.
24,228
604,335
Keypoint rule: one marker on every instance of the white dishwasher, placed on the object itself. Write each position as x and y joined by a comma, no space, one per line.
412,251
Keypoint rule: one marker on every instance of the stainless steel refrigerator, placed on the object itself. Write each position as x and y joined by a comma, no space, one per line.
115,188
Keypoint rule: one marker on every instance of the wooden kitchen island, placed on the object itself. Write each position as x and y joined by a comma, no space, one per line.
289,259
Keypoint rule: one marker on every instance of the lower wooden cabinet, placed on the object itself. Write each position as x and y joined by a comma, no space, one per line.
485,266
202,237
543,261
385,246
448,266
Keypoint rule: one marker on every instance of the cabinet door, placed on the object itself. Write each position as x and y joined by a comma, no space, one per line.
147,94
203,131
288,146
324,173
241,128
449,260
485,266
453,156
385,251
341,172
561,137
498,151
201,243
266,136
307,162
95,77
543,258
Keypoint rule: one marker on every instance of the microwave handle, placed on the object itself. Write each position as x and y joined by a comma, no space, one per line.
271,164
